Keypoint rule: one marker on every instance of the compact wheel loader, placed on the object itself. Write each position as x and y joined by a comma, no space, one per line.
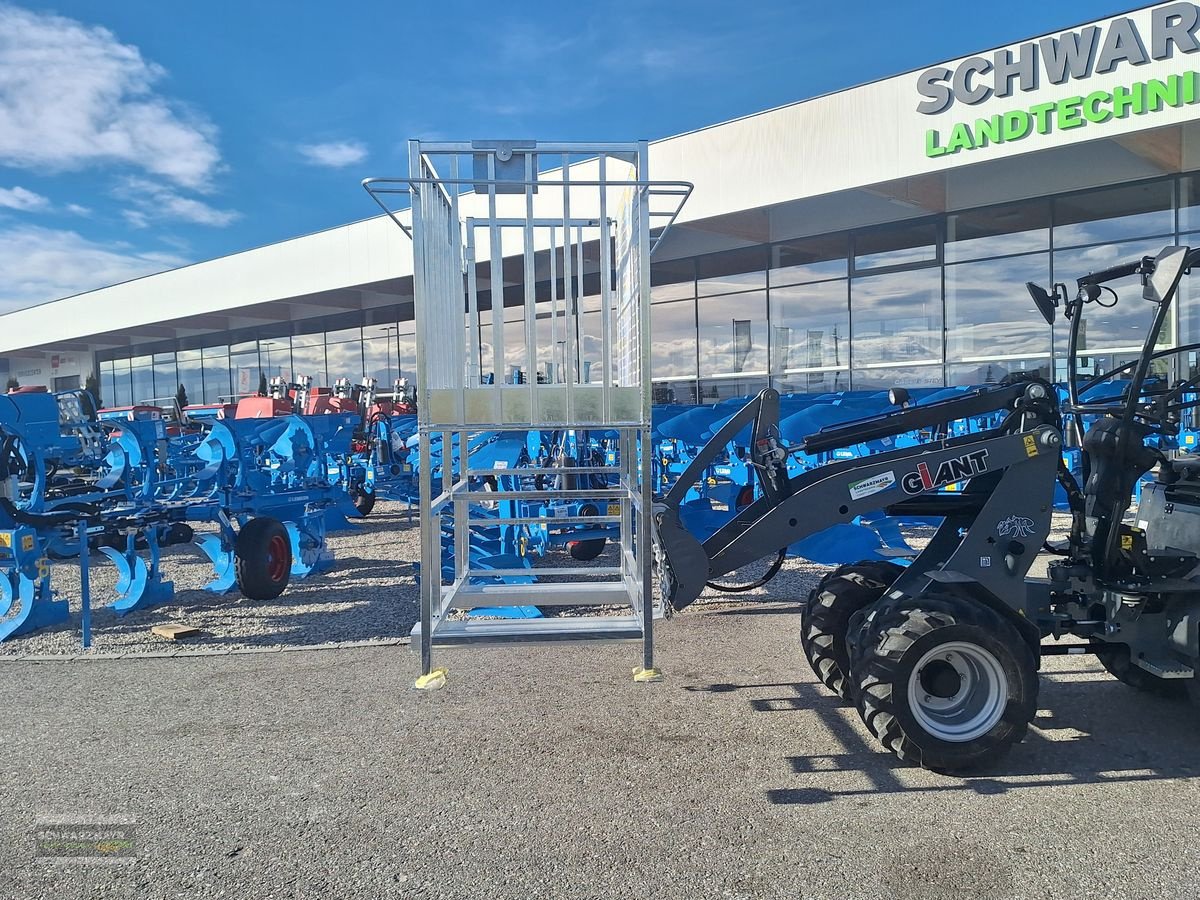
940,652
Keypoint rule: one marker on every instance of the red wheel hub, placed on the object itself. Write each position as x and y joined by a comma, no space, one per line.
277,558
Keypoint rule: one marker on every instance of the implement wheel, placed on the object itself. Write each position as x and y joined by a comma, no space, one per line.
825,620
263,558
585,551
944,682
1115,659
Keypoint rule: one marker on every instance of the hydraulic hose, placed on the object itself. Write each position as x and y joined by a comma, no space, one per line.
742,588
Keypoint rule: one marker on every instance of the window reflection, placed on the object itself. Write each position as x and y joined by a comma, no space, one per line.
812,382
1123,325
673,349
733,333
716,389
191,374
995,371
890,377
998,231
665,392
810,259
735,270
1114,214
810,326
989,312
901,245
215,363
344,360
897,317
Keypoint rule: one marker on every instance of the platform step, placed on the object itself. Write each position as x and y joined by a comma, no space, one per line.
584,593
1165,668
564,628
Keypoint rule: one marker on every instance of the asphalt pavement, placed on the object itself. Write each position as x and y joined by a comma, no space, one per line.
545,771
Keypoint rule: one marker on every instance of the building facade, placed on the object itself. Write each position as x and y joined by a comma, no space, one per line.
874,237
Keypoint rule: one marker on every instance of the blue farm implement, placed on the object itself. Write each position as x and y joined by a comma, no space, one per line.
128,482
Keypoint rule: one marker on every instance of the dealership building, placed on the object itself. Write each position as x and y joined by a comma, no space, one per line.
876,236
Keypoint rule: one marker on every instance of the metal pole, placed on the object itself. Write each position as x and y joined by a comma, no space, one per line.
85,591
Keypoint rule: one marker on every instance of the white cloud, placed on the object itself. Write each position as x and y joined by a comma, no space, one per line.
153,202
21,199
335,154
78,210
73,96
42,264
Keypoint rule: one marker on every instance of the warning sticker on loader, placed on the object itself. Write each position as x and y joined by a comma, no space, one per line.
873,485
1031,449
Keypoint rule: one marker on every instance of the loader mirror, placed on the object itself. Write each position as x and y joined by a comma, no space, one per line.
1168,269
1043,301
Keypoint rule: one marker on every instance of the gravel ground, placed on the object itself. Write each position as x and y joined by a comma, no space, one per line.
546,772
370,595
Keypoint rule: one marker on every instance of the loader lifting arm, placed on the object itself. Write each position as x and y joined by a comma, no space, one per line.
1014,455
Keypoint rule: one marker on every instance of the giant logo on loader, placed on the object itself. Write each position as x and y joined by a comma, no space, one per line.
948,472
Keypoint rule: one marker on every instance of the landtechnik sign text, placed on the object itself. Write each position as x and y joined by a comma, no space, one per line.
1071,56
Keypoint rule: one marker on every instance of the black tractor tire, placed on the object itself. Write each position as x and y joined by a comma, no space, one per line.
971,698
586,550
1116,660
825,619
364,500
263,558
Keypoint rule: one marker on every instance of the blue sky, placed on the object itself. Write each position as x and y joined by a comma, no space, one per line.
140,135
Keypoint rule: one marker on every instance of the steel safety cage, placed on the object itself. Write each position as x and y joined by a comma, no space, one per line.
531,291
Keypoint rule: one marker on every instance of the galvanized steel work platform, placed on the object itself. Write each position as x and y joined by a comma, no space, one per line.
532,304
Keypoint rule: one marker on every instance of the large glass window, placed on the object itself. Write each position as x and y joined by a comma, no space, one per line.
122,393
344,360
812,382
733,333
675,392
713,390
244,367
142,370
107,385
674,279
810,326
276,357
735,270
673,351
897,318
191,374
308,358
810,259
379,358
998,231
911,243
994,371
1114,214
215,361
899,376
166,380
1106,327
989,313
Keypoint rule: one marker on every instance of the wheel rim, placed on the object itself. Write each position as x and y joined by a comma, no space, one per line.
277,558
958,691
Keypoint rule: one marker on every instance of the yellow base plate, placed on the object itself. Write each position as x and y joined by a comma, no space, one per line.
431,682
